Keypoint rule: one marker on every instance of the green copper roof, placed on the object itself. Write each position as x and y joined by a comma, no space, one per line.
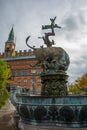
11,36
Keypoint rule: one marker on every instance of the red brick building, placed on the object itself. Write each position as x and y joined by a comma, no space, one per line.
22,74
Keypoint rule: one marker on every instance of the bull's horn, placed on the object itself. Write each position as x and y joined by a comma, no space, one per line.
28,44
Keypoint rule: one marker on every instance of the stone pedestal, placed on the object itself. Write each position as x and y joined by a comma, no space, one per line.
54,84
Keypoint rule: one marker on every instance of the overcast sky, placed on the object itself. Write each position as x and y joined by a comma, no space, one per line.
29,15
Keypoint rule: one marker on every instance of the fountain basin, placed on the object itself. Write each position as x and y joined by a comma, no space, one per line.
58,111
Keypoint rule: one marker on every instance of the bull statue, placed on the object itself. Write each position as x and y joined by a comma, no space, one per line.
51,58
54,61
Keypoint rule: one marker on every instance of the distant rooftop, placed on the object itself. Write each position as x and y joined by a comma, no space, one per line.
17,55
18,58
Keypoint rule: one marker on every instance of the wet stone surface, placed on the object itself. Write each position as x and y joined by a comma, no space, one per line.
6,123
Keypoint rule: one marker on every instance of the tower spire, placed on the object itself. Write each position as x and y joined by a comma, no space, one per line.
10,43
11,36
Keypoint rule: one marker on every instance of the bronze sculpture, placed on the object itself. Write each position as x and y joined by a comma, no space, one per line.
54,61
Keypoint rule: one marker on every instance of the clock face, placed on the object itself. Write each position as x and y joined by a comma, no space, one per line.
12,47
7,46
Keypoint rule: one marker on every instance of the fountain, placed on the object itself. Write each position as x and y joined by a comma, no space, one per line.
55,107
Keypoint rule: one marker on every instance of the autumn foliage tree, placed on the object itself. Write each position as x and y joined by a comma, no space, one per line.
4,75
79,86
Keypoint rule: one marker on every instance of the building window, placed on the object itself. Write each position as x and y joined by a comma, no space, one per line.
39,80
38,71
39,91
32,80
19,81
25,80
25,72
13,73
33,71
19,72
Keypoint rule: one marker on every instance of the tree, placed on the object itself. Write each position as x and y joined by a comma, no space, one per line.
79,85
4,75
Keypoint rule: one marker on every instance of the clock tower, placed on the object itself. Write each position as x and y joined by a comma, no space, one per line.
10,45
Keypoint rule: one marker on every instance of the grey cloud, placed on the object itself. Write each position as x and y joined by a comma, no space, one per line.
78,67
70,23
73,24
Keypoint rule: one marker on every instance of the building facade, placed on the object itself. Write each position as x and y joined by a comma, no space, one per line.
20,64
